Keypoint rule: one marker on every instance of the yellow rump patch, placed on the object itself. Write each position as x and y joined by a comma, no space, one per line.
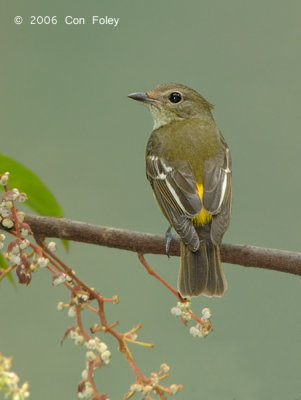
204,217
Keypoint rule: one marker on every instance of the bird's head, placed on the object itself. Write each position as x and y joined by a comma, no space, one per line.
170,102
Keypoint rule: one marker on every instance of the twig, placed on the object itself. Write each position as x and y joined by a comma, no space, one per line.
146,243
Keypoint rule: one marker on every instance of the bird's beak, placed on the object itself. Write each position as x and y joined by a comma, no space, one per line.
141,97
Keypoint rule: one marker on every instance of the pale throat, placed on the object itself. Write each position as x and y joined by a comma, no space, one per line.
162,117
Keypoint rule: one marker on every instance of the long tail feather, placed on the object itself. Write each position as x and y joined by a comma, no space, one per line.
201,271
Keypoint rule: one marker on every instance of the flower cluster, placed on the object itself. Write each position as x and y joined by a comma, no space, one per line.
6,205
147,386
9,381
26,257
182,310
203,326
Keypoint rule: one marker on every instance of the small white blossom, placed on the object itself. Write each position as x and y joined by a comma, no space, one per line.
42,262
155,378
84,374
59,279
5,213
206,313
106,356
194,331
7,223
15,259
90,355
33,267
186,315
15,249
165,368
101,347
4,178
51,246
73,334
174,388
83,297
15,194
60,305
136,387
91,344
71,312
24,244
186,304
176,311
22,197
79,340
7,204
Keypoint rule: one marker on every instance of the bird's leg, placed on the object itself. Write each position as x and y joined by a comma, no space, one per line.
168,236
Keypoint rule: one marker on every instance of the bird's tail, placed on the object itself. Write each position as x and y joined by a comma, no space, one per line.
201,271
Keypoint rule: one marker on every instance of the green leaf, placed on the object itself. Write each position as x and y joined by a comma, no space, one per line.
4,265
40,199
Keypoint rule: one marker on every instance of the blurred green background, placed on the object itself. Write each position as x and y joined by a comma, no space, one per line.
65,115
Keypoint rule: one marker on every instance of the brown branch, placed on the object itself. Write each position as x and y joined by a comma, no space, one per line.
146,243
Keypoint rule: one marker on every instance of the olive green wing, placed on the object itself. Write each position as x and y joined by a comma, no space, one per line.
175,189
217,192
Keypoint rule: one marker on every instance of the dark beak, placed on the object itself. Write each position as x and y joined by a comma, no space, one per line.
141,97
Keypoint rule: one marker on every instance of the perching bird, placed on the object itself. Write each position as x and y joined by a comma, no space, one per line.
188,165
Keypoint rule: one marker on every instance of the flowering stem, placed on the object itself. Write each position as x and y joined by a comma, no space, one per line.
153,273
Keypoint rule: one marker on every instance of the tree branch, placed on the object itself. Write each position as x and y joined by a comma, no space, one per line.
146,243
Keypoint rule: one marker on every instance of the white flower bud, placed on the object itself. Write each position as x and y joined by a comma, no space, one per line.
136,387
176,311
90,355
174,388
24,244
79,340
194,331
59,279
7,223
51,246
33,267
101,347
42,262
71,312
7,204
84,374
91,344
4,178
106,355
22,197
164,367
15,259
206,313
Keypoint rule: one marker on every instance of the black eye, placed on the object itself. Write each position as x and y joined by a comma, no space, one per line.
175,97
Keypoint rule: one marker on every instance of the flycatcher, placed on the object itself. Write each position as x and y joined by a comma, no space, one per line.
188,165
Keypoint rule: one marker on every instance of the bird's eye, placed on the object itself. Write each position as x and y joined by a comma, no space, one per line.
175,97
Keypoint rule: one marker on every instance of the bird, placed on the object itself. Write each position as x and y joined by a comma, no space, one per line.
189,167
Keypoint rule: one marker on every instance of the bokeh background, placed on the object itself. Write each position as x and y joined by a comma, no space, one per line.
65,115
